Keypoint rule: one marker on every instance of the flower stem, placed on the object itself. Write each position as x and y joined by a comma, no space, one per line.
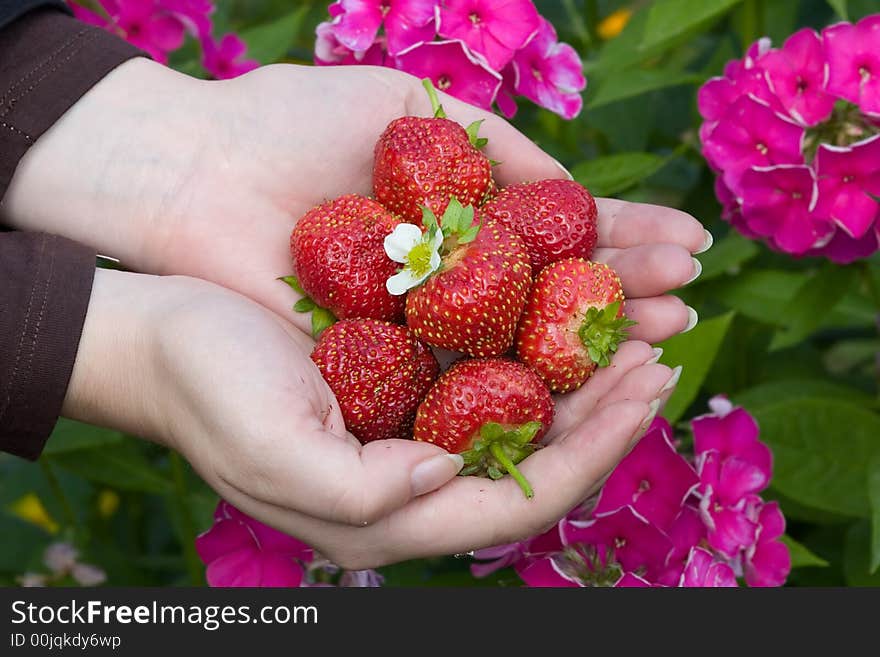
435,101
502,457
187,524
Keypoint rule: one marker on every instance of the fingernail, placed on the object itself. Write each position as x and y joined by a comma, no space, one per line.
673,380
708,240
432,473
693,318
563,169
653,408
658,351
698,269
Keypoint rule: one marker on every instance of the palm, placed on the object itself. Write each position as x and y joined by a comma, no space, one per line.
259,175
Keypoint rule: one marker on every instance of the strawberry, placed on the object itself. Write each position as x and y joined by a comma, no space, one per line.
379,373
573,322
426,161
555,218
492,411
339,261
473,302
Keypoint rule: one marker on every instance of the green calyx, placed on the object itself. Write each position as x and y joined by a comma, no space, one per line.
497,451
602,331
845,126
321,317
439,113
457,225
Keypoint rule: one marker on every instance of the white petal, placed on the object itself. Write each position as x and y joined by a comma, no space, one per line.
401,241
402,281
438,241
434,264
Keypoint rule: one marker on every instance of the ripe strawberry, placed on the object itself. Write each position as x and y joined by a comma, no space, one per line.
379,373
426,161
474,301
573,322
339,260
492,411
555,218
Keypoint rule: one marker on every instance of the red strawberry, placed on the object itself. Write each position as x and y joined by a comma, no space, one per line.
555,218
474,301
379,373
339,260
572,323
492,411
426,161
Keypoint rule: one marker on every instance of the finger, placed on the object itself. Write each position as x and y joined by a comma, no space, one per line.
623,224
648,270
520,158
658,318
572,407
333,477
644,383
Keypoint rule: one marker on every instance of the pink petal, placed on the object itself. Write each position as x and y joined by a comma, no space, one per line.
772,522
408,23
236,569
769,565
631,580
702,570
843,249
848,177
797,75
223,537
853,53
732,531
357,22
544,574
279,571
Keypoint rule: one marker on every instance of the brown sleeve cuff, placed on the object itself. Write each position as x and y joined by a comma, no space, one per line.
47,282
48,61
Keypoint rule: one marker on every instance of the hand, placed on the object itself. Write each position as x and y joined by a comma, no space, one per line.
230,385
178,176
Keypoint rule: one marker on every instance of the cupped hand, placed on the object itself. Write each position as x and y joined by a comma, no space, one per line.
207,179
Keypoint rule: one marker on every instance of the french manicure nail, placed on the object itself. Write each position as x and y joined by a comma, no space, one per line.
563,169
673,380
698,269
693,318
658,352
708,240
432,473
653,408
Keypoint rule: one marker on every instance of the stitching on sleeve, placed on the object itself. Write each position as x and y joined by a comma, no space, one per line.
24,325
26,136
44,62
11,103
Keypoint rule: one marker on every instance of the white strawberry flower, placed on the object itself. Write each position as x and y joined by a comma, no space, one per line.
418,252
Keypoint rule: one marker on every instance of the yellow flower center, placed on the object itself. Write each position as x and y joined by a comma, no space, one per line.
419,259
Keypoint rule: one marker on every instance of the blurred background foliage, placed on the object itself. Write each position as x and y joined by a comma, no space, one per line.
794,341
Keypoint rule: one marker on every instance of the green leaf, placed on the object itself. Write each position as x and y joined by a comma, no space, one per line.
857,556
22,546
70,436
821,451
122,466
766,394
293,283
270,42
727,256
473,134
304,305
695,351
814,300
874,502
672,20
610,174
839,7
321,320
637,82
847,355
801,556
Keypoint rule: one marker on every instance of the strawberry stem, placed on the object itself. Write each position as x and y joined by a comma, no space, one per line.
504,460
602,330
439,113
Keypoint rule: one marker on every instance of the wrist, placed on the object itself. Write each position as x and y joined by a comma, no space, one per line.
106,171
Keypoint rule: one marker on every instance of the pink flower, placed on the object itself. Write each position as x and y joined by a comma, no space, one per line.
797,74
752,134
330,51
225,59
843,249
704,570
626,537
407,23
686,531
495,29
653,479
453,69
631,580
241,551
147,24
730,431
369,579
767,561
60,558
550,73
88,575
848,177
547,573
853,53
498,557
778,203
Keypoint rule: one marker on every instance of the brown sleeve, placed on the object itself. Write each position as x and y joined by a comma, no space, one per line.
48,60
